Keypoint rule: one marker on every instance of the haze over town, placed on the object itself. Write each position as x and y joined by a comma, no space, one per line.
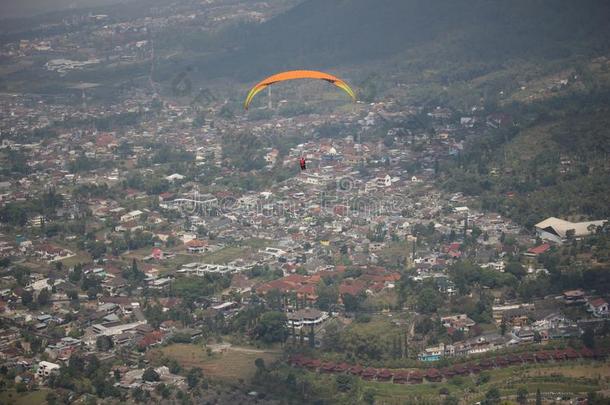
414,211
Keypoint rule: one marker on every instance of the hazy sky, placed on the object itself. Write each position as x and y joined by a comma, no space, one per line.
22,8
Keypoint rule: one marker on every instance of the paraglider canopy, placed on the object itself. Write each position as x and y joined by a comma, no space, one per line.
298,74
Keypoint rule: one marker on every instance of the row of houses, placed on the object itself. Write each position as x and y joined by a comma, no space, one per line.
417,376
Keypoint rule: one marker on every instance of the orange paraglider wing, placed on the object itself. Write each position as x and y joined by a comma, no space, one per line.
298,74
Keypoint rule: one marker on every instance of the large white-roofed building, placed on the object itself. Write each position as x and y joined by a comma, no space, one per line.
555,229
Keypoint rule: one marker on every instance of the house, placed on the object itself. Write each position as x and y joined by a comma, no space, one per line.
225,306
351,287
557,230
174,177
499,310
131,216
437,352
196,246
574,296
461,210
461,322
525,334
306,317
45,369
537,250
598,306
158,254
383,181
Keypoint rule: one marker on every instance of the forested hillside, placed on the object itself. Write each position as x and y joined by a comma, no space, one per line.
552,160
321,33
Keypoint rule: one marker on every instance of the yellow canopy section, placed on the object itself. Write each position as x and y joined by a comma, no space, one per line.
298,74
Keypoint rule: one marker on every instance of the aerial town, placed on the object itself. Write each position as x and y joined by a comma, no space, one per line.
168,248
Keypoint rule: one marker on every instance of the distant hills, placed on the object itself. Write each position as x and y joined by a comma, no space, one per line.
322,33
27,8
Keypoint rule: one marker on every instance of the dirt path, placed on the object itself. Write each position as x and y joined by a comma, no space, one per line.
229,347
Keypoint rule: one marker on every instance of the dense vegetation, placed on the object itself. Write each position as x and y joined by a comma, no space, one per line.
474,34
550,161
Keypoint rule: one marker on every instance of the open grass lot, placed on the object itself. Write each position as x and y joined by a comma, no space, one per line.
233,364
375,325
224,255
79,257
594,370
257,243
178,261
26,398
229,253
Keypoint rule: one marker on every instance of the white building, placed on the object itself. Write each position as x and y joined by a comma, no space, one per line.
383,181
599,307
45,369
130,216
174,177
555,229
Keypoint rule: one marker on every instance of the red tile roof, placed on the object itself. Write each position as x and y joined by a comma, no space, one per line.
352,288
539,249
598,302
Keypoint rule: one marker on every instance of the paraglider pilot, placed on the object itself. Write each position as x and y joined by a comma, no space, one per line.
303,163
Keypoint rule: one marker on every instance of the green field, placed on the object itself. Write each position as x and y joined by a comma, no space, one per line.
80,257
224,255
233,364
26,398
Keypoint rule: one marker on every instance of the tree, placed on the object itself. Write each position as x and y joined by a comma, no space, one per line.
75,275
72,295
92,293
388,141
272,327
537,337
516,269
369,396
457,335
104,343
538,397
163,390
193,377
150,375
522,396
76,365
332,337
344,382
154,315
51,398
492,396
260,364
428,300
451,400
503,327
483,378
327,296
174,366
93,365
26,297
134,274
588,338
138,394
311,337
44,296
351,302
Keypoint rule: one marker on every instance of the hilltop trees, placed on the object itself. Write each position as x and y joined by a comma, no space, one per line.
243,151
271,327
150,375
